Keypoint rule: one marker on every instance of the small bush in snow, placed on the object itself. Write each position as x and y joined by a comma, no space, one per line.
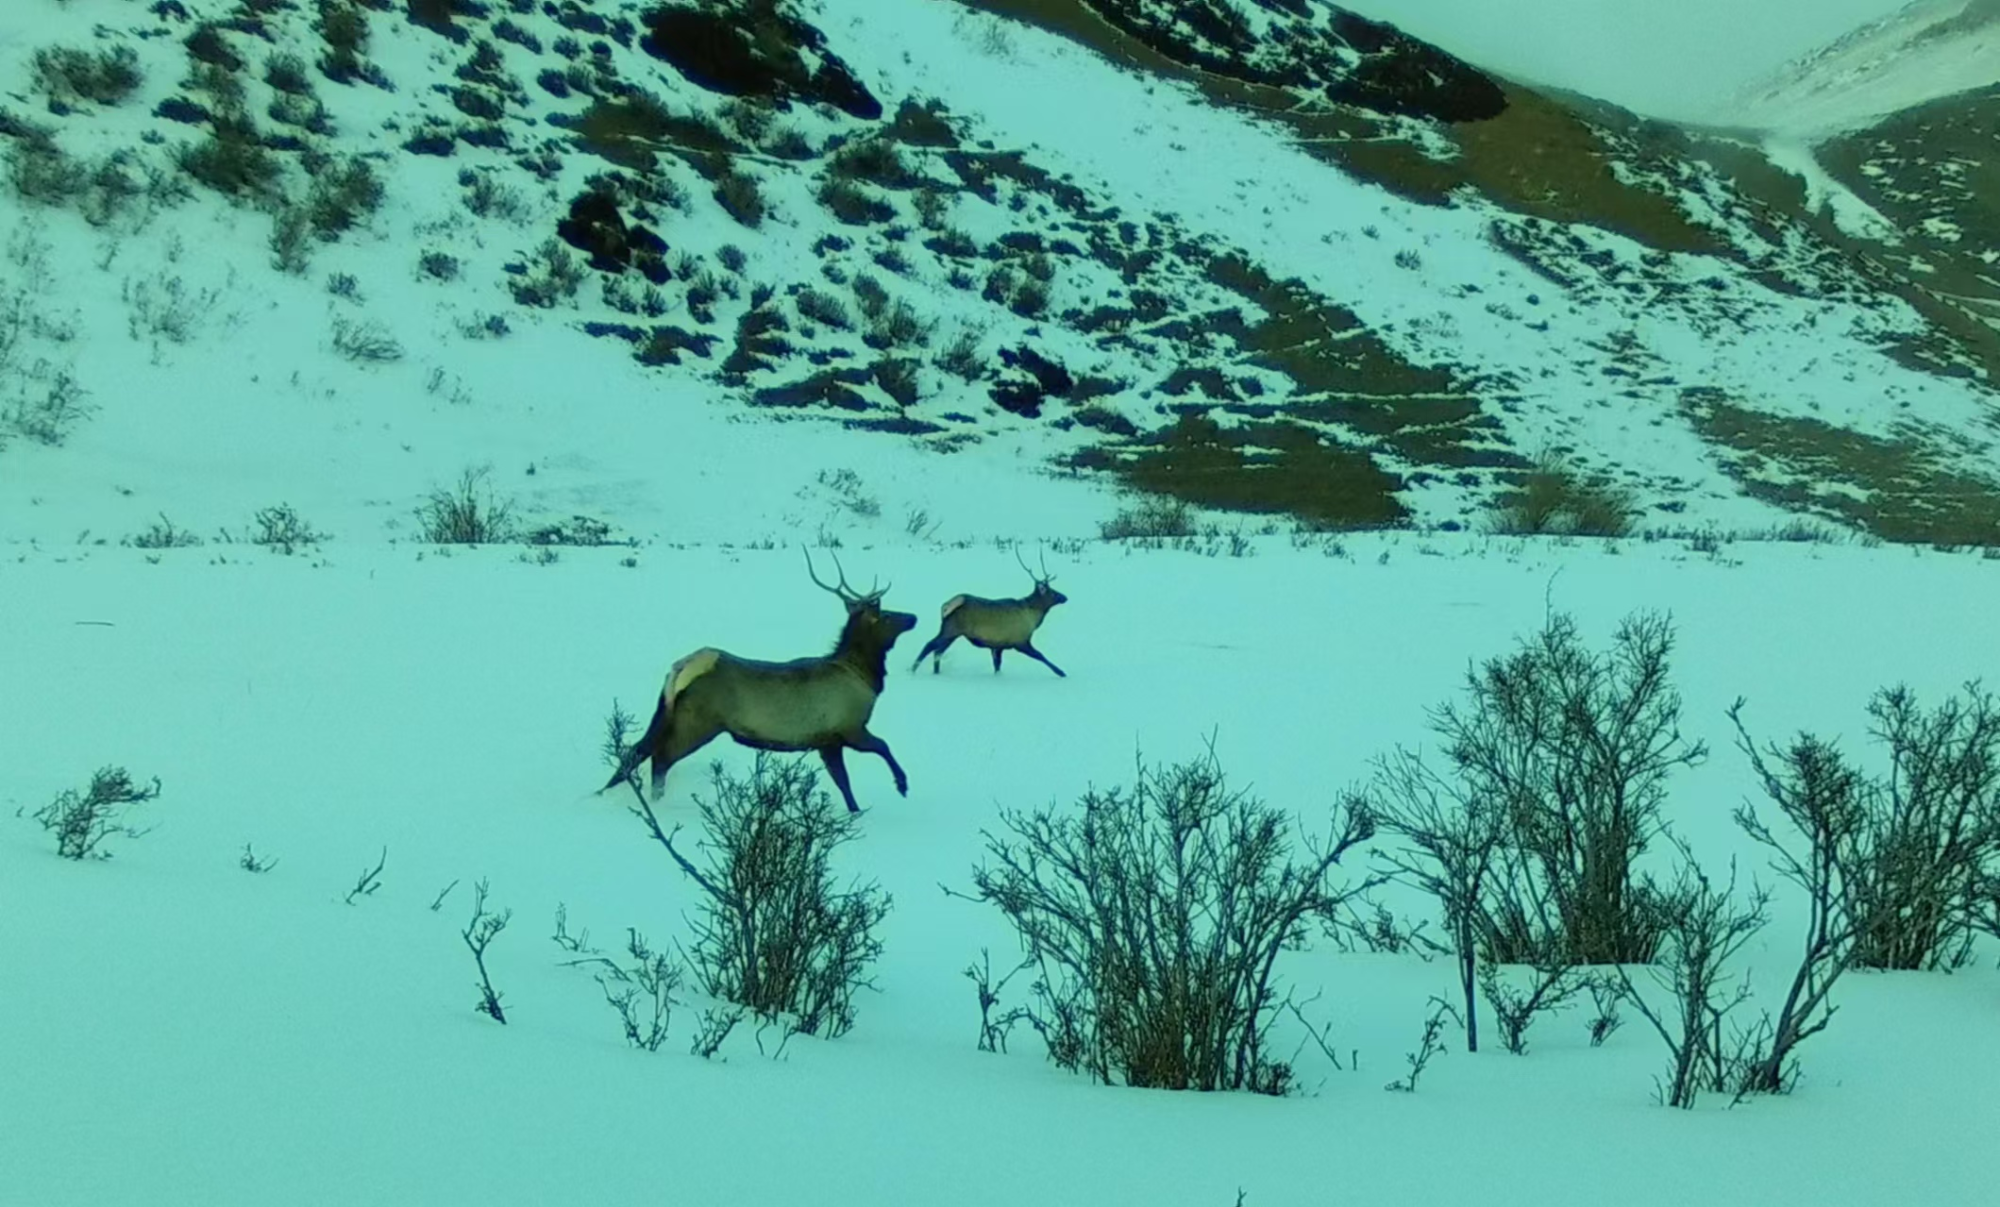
67,76
738,194
554,276
875,160
897,375
365,342
343,195
81,821
291,240
487,197
438,266
776,934
282,530
344,29
822,307
1429,1046
468,513
960,357
1553,499
1705,926
163,535
232,161
1153,517
897,325
167,308
285,72
1155,916
40,171
852,204
48,410
479,935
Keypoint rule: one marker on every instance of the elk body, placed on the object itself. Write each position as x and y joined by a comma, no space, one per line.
997,625
819,704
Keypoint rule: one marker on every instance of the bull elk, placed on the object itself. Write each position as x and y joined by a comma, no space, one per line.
819,704
997,625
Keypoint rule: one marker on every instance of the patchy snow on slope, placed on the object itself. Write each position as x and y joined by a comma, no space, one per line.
1828,195
1926,50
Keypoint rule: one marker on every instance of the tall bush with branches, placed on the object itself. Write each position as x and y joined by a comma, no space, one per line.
1574,748
776,934
1155,915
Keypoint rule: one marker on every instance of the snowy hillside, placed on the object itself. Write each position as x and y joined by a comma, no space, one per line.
584,257
1925,50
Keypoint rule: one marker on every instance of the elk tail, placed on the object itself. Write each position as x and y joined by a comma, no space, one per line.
640,750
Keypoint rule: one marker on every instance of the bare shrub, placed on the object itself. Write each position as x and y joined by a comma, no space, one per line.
554,276
1576,747
1553,498
960,357
468,513
68,76
1705,928
1155,916
167,307
164,535
366,342
776,935
1429,1046
342,195
823,307
641,992
285,72
47,411
81,821
232,160
479,934
39,170
282,530
344,28
1152,517
740,197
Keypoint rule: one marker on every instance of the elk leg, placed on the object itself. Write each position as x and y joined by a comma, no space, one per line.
675,745
934,650
1028,648
836,767
996,659
868,743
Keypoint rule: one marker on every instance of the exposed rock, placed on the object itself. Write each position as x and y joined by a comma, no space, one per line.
752,48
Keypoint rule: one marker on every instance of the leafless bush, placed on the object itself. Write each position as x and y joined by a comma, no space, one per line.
1155,916
1429,1046
1151,517
81,821
369,882
468,513
554,276
1549,988
776,935
342,195
167,308
283,530
1576,747
740,197
164,535
49,407
366,342
1705,928
479,934
68,76
960,357
823,307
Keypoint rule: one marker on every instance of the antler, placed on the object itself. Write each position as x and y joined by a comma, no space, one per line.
1044,576
847,594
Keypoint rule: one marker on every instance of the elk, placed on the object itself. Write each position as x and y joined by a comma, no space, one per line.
820,704
998,625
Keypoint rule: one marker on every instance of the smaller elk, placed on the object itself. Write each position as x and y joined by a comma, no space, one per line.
998,625
819,704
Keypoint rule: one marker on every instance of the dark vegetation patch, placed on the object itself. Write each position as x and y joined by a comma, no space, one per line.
1262,467
753,48
826,388
595,227
1898,489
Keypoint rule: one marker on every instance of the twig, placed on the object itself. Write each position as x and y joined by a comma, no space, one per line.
478,934
438,903
370,880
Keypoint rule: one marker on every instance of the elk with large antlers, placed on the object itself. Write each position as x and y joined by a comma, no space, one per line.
820,704
997,625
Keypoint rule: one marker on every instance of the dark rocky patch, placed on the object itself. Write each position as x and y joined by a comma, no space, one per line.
181,109
894,425
753,51
829,387
596,228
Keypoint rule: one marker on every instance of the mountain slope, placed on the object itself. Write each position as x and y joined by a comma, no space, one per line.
890,214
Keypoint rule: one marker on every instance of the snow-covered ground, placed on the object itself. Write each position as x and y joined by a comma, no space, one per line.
176,1030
